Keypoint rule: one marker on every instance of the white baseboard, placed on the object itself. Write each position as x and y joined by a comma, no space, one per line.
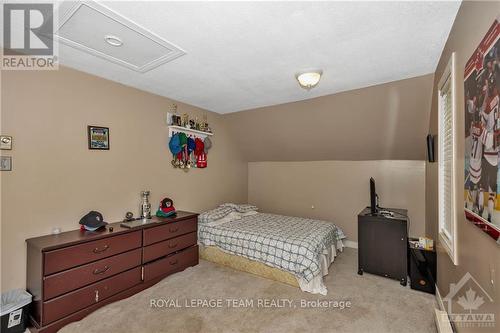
441,318
442,322
350,244
439,299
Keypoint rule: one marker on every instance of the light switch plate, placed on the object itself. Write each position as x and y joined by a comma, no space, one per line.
5,142
5,163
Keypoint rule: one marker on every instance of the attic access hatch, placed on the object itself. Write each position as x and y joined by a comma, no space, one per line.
88,26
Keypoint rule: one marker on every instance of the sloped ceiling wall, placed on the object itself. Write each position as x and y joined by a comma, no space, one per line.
383,122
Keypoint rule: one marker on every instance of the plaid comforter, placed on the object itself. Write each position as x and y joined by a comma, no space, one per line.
292,244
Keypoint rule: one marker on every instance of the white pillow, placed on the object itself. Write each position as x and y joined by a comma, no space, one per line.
214,214
228,218
241,208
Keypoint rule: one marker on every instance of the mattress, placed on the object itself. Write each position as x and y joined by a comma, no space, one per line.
214,254
300,246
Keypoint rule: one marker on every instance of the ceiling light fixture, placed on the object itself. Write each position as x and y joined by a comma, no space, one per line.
310,79
113,40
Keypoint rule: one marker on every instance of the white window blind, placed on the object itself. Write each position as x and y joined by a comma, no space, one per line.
446,159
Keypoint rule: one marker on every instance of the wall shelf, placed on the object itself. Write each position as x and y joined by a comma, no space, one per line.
177,129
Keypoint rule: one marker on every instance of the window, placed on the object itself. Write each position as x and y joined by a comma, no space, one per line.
447,159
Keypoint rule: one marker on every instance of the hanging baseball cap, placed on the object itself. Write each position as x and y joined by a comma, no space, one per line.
190,144
207,144
92,221
174,144
182,139
166,208
199,146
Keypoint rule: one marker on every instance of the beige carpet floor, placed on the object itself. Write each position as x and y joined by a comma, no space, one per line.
377,304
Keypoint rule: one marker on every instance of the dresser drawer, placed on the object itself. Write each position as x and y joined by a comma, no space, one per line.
171,230
62,306
167,247
62,282
170,264
72,256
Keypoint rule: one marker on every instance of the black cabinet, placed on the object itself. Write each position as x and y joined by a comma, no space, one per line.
382,244
422,269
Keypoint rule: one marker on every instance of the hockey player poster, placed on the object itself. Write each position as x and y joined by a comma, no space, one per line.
482,134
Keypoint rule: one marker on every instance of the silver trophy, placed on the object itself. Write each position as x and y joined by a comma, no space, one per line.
145,205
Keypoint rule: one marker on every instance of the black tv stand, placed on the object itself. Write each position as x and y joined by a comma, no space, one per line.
382,243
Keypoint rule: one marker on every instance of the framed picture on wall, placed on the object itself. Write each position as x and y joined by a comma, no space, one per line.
482,134
98,137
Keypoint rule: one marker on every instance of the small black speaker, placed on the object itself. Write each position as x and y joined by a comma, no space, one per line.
430,148
422,269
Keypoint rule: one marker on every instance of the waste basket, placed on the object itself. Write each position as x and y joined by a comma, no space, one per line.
14,311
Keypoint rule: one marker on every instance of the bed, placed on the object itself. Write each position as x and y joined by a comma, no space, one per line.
293,250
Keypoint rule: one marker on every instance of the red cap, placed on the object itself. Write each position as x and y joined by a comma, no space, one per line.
167,205
199,146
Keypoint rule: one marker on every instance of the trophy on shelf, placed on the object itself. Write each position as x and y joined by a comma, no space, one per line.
145,205
185,120
175,118
197,125
204,123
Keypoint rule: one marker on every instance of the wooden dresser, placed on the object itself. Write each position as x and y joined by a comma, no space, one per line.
74,273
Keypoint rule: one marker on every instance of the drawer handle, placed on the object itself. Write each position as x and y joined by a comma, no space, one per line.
98,271
172,246
174,262
174,229
98,250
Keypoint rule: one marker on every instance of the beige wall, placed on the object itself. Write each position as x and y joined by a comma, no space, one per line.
383,122
336,143
326,148
56,179
477,252
338,190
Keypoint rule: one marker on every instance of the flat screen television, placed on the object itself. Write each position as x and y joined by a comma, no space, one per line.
373,196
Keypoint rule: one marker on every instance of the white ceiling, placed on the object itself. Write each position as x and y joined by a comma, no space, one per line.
243,55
